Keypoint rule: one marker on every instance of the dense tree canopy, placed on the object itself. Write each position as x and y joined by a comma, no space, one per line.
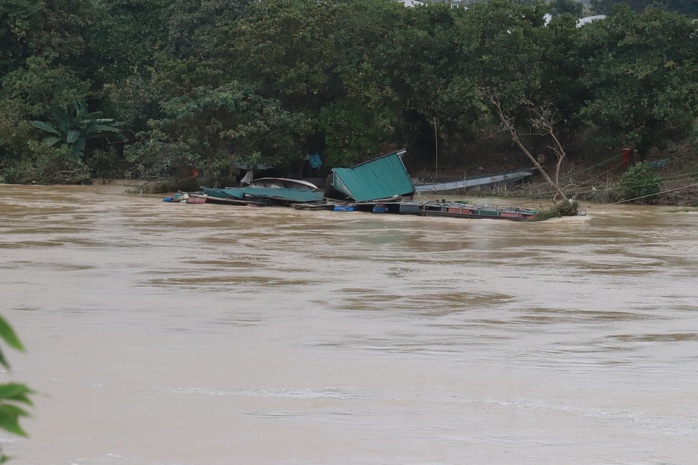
686,7
213,85
640,70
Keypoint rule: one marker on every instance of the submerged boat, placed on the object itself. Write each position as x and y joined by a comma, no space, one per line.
262,191
263,195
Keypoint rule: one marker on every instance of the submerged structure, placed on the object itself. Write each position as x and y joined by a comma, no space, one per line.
380,185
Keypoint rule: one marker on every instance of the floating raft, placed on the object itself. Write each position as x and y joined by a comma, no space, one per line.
429,208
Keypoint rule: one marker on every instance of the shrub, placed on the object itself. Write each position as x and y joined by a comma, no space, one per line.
640,182
48,165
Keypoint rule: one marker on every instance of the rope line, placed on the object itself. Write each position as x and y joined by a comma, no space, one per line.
653,195
618,188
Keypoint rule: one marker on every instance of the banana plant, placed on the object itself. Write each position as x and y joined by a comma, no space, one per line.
74,125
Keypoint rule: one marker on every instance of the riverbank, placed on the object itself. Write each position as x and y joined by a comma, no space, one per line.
593,181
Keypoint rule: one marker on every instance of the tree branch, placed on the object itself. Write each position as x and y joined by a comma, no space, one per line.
547,126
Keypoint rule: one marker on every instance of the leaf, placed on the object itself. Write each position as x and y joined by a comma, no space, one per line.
9,336
73,135
52,140
62,119
9,419
45,127
79,148
15,392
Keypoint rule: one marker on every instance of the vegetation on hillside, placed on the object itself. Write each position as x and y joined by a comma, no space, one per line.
161,89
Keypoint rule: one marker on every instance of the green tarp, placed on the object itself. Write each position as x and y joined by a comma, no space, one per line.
381,178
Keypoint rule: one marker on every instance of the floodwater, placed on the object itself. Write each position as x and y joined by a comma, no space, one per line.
172,334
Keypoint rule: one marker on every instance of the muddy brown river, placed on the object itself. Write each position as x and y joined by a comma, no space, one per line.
173,334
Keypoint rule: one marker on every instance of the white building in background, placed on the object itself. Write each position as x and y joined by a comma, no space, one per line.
464,3
589,19
410,3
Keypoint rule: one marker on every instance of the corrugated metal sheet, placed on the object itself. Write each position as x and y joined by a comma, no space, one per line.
217,193
381,178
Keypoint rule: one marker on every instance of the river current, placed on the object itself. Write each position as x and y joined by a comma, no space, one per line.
173,334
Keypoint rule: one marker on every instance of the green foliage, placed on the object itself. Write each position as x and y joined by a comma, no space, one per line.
52,30
14,397
361,107
573,7
74,125
352,133
640,182
8,335
47,165
209,84
564,208
107,163
212,129
434,74
123,39
686,7
40,85
18,20
505,48
561,86
197,27
15,131
640,74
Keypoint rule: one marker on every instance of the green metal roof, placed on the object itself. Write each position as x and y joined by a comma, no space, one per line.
381,178
217,193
